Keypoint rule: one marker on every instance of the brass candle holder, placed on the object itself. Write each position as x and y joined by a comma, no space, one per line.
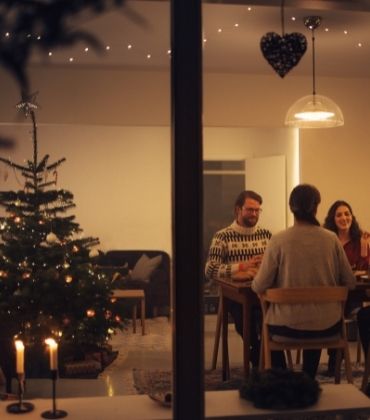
21,406
54,413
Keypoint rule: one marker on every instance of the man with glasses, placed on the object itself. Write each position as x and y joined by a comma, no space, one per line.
236,251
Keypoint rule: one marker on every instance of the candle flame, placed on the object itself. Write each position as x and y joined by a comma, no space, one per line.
51,342
19,345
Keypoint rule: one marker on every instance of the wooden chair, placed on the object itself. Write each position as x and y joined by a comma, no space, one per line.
290,296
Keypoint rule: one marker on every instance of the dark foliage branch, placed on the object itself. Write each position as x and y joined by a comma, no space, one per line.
42,25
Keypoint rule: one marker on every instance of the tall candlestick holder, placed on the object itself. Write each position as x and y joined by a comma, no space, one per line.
21,406
54,413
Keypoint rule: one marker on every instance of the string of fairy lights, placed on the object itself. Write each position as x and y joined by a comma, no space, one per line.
143,54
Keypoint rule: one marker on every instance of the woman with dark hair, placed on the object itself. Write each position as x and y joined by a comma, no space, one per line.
341,220
304,255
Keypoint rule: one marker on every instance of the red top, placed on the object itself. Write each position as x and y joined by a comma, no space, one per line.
353,252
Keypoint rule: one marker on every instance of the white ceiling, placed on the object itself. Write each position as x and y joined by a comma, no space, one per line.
145,25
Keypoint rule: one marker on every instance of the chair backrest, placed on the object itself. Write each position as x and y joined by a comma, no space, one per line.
324,294
305,295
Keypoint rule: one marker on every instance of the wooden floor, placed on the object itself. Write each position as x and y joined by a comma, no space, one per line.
149,351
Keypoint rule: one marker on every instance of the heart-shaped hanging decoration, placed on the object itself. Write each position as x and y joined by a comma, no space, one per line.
283,52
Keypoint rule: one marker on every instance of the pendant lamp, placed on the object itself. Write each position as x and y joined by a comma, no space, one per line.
314,111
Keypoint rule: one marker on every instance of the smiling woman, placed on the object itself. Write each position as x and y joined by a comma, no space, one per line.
341,220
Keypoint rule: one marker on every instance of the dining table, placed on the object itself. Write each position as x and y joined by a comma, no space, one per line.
239,290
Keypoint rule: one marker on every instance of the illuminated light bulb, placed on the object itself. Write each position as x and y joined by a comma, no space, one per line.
129,46
110,331
17,219
236,25
68,278
326,29
113,300
17,203
204,40
219,30
26,276
86,49
38,38
3,273
359,44
117,318
41,222
293,18
75,248
90,313
50,53
345,32
71,59
168,52
249,9
66,265
7,34
107,47
148,56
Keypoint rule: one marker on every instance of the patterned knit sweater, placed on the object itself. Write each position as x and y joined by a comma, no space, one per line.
231,246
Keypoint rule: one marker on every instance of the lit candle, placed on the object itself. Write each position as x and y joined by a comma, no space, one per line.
53,349
19,346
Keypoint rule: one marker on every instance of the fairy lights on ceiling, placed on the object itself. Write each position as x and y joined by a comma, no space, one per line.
210,37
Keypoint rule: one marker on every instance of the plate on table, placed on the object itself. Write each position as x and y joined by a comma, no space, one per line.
360,273
241,276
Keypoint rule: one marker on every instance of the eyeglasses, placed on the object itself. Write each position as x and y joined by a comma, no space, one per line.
251,210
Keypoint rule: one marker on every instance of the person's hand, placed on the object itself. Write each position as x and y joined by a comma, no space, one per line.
253,262
365,236
365,239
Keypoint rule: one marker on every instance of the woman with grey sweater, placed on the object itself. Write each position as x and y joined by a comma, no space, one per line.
304,255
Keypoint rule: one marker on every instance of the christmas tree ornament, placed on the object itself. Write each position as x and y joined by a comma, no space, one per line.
283,52
51,238
68,279
28,104
90,313
93,253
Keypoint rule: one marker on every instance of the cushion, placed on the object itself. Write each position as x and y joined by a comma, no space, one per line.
144,267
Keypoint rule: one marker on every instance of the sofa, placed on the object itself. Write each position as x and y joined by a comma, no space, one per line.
141,269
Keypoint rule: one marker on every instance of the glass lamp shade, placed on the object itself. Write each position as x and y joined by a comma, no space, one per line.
314,111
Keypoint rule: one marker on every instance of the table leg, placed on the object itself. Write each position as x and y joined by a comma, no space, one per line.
143,315
134,312
225,350
246,337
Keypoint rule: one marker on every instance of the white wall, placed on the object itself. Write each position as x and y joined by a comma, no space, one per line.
102,101
120,178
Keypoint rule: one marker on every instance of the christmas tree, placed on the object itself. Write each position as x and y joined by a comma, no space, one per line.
49,284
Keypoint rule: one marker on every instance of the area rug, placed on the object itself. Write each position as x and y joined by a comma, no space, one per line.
147,380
